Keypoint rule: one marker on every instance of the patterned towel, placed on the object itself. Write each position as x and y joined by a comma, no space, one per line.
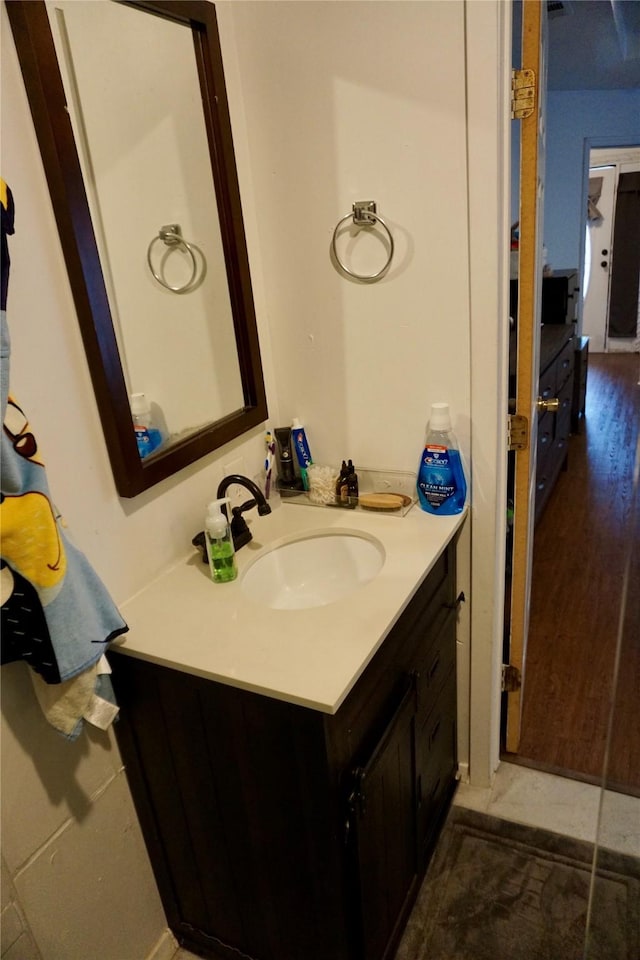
56,613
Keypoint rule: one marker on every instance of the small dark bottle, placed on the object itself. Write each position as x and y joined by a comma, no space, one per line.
342,490
352,484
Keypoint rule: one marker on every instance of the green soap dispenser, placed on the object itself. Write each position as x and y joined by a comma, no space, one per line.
220,549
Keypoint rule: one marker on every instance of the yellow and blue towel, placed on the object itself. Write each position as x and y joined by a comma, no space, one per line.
56,613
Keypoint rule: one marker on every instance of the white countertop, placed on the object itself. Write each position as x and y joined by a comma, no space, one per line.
311,657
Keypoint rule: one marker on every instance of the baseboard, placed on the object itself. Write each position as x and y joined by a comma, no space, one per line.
463,773
165,948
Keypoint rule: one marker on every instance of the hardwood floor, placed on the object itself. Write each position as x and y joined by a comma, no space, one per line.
586,548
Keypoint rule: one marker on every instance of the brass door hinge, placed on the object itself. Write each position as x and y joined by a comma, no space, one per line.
517,432
523,94
511,678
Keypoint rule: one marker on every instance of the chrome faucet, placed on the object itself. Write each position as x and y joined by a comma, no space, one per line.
239,529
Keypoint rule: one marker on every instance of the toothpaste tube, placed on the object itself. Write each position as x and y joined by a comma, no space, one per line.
301,446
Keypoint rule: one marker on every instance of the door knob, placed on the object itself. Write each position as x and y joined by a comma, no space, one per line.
604,253
603,263
552,405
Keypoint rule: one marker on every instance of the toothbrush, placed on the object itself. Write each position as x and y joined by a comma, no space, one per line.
268,463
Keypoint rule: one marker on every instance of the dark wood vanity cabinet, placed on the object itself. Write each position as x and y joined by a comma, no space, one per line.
278,832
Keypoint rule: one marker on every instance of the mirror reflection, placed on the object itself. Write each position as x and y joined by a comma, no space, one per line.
130,110
145,163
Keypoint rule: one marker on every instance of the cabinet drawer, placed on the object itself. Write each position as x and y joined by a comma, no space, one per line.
365,712
435,663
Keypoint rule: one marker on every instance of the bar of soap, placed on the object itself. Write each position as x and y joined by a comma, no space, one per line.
381,501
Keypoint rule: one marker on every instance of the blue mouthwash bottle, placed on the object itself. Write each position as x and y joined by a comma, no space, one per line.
148,437
442,488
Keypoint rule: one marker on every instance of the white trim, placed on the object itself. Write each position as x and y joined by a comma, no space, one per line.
605,156
488,57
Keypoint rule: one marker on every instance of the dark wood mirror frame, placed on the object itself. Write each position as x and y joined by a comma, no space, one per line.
38,61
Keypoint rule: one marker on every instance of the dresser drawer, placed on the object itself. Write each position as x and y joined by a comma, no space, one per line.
545,440
563,416
564,364
547,383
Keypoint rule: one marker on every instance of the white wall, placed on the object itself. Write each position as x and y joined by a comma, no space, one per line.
73,857
341,107
385,102
328,106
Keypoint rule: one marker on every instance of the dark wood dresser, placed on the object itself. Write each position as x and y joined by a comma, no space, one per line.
557,358
580,383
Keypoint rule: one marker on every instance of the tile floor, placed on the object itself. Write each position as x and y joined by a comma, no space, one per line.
553,803
557,804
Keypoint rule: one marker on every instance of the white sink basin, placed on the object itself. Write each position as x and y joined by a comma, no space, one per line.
313,570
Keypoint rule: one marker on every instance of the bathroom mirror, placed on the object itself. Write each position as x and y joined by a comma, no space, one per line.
131,115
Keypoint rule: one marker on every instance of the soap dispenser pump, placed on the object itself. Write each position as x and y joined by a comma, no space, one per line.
219,541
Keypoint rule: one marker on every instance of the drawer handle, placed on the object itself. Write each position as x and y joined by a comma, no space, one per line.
434,733
434,792
456,603
433,668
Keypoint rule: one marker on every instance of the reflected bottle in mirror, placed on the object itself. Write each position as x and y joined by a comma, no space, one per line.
148,436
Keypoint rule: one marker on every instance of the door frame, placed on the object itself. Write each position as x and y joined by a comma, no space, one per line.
606,153
480,633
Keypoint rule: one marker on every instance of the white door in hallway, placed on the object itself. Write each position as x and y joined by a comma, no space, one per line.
598,262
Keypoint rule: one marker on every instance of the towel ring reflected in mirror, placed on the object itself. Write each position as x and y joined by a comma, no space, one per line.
171,236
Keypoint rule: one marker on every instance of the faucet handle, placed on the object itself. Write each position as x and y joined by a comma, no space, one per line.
239,529
247,505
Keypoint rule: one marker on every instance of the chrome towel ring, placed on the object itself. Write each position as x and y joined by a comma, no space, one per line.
171,235
363,213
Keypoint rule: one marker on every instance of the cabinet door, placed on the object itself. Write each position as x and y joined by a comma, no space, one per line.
382,805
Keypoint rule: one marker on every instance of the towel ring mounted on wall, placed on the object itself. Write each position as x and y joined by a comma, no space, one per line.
363,213
171,236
